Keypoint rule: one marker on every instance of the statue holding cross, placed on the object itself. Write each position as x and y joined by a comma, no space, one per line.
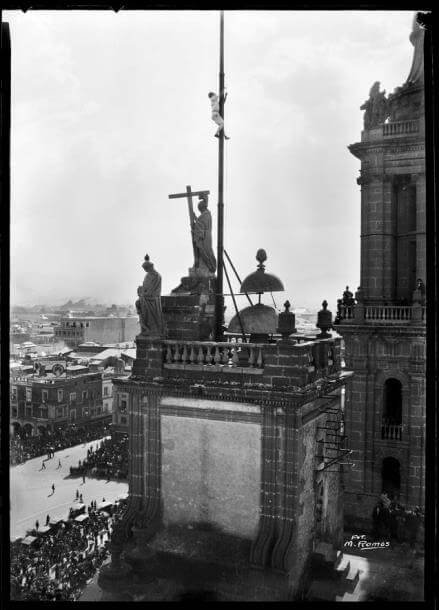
201,232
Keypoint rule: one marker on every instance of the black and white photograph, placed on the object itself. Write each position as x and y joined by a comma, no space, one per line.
216,343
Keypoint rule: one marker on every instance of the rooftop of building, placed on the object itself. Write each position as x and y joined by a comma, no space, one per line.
51,378
109,317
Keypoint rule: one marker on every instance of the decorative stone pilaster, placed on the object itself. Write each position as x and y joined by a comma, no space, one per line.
389,243
283,551
263,543
146,480
117,569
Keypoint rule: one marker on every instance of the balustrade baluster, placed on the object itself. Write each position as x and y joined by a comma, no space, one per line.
225,355
208,355
251,358
235,357
259,361
168,354
184,354
192,355
200,357
176,352
217,356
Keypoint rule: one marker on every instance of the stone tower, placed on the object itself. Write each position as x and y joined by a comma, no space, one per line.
384,326
235,446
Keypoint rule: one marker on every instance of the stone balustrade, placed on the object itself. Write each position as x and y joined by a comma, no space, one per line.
399,128
219,354
347,312
388,312
391,432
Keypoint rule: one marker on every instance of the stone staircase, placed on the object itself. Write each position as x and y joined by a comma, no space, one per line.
333,577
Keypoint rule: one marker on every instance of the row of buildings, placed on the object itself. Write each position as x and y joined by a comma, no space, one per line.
55,392
71,329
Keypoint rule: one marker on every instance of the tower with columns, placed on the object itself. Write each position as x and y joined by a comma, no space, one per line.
384,328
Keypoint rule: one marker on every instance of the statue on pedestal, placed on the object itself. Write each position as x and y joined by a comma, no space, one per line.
204,258
148,305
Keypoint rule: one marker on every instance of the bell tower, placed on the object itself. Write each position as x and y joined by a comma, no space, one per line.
384,327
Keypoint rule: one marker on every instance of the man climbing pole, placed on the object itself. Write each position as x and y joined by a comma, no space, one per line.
216,117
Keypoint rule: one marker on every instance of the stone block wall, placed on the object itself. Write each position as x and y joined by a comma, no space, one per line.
211,470
377,353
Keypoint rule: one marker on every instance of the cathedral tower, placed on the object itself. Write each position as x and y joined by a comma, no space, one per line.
384,326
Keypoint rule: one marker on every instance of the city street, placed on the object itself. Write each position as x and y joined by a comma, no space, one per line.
31,496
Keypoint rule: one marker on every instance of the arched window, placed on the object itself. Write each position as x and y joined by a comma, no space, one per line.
391,477
392,412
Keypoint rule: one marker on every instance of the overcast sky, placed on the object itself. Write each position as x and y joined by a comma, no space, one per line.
110,114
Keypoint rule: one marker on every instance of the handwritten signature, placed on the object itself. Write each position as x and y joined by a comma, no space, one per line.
360,541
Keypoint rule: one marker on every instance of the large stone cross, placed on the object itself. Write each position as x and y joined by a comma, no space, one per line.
189,194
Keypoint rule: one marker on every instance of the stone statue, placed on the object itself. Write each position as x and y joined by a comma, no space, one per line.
205,262
376,110
148,305
348,298
339,315
419,292
359,295
417,39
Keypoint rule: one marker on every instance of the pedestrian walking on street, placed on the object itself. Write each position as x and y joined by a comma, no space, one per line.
77,494
59,463
83,478
80,498
53,487
43,466
47,519
37,525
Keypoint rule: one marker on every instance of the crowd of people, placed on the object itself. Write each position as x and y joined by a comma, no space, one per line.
394,521
58,563
109,460
24,448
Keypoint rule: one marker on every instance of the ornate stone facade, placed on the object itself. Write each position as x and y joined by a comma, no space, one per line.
385,334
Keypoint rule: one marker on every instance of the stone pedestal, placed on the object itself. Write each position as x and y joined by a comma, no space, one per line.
149,357
189,311
359,310
416,312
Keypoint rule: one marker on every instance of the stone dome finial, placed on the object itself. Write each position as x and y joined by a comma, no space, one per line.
261,256
259,281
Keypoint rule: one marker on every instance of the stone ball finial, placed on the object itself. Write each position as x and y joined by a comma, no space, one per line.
261,257
324,320
286,322
147,257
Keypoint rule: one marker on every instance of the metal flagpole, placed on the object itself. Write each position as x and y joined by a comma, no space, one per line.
219,301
